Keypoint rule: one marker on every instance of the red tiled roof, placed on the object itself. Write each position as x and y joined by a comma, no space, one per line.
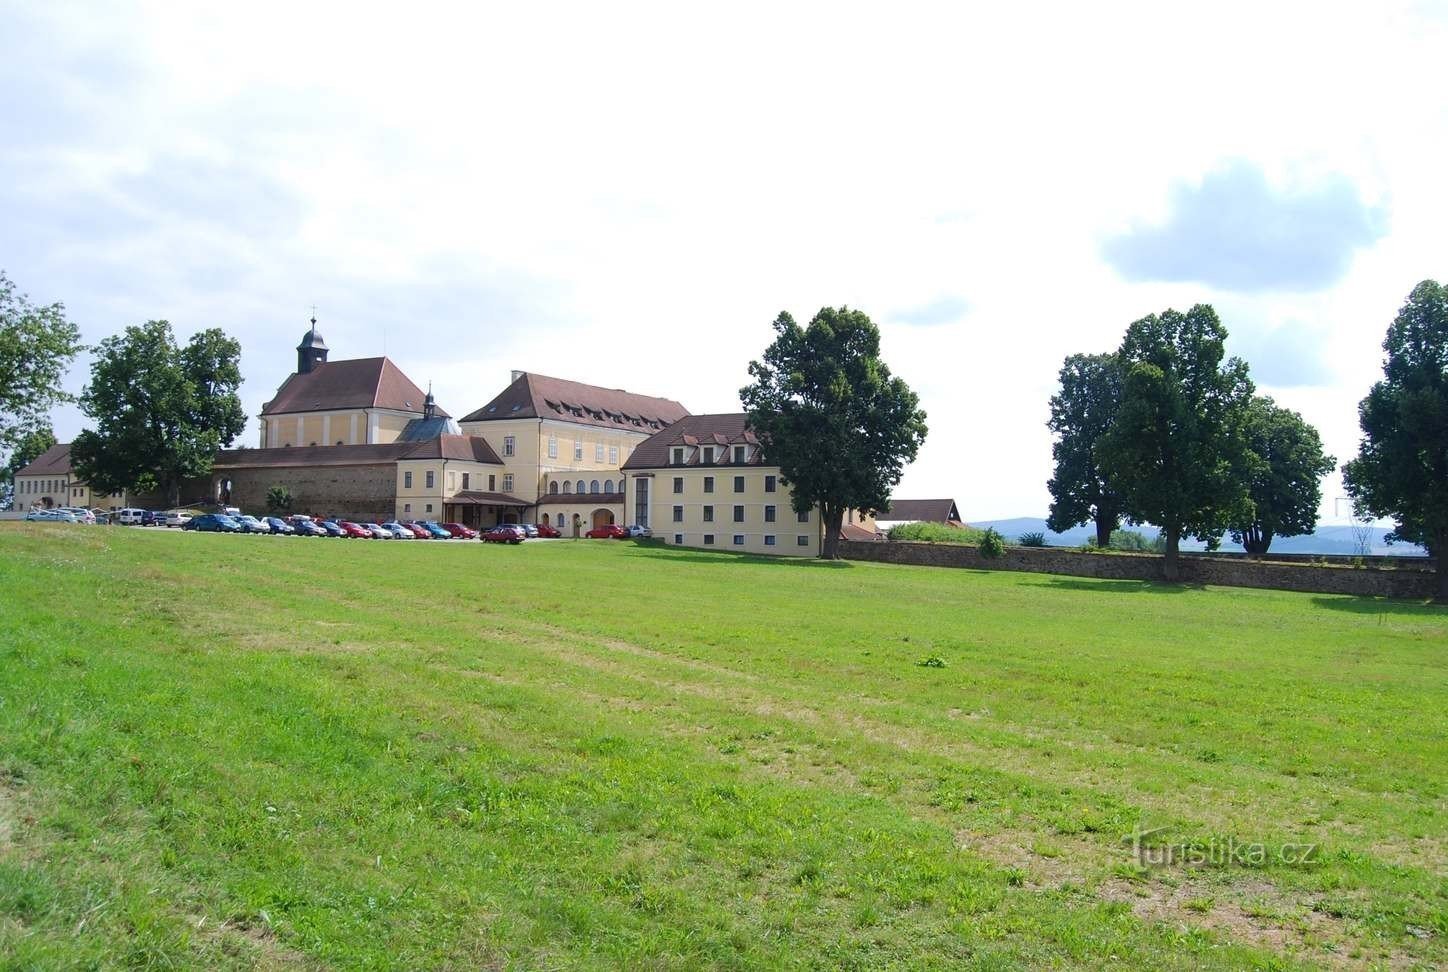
54,461
466,447
355,383
560,499
724,430
473,497
852,531
538,396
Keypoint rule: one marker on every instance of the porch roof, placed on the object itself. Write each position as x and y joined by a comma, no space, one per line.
473,497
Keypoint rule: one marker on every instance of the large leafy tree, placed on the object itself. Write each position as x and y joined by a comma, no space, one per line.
37,345
27,449
829,413
1286,465
1401,470
161,411
1081,413
1177,451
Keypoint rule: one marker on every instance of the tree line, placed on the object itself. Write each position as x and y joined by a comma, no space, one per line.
1168,430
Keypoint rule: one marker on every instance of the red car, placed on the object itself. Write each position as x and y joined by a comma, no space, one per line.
350,529
458,530
505,533
611,531
418,530
544,530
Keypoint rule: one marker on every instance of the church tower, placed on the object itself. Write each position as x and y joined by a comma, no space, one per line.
312,351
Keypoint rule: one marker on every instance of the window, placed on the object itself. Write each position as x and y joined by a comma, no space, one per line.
801,541
678,457
567,486
598,452
708,539
678,484
739,453
452,480
553,447
613,455
507,482
708,484
429,507
708,514
738,514
738,484
769,484
492,483
407,507
553,488
431,479
580,487
708,454
769,514
593,486
678,514
738,539
641,500
769,539
466,478
578,452
508,443
802,517
679,539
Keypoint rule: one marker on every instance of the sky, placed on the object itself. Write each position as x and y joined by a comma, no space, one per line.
629,194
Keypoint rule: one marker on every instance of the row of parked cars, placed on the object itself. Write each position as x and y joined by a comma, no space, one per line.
62,514
317,526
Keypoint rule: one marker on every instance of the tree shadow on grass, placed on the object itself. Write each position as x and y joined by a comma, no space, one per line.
658,551
1100,585
1352,604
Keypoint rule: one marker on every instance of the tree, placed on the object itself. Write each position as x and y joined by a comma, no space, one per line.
37,345
161,412
1177,451
1286,466
828,412
1081,413
1401,470
278,499
29,447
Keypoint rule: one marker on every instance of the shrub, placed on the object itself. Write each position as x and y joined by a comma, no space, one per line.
1033,539
1129,540
278,499
991,544
934,533
931,661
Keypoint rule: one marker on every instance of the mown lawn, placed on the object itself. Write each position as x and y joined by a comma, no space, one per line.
252,751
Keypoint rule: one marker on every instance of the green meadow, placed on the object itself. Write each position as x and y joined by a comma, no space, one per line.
257,752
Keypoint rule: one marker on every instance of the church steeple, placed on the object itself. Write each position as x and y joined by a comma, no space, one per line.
312,351
429,404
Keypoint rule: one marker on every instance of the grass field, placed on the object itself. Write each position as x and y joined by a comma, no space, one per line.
248,751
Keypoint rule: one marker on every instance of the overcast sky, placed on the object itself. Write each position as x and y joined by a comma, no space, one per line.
628,195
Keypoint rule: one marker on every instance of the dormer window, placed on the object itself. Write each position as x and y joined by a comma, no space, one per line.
740,452
708,454
678,457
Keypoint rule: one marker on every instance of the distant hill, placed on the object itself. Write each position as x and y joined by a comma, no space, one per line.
1329,539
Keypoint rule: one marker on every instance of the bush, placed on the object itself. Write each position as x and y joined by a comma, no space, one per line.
934,533
1034,539
278,499
991,544
1132,540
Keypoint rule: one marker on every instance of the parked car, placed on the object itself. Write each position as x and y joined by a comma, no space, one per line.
212,523
609,531
178,518
531,529
81,514
355,530
378,531
398,531
639,531
305,526
438,533
130,517
250,524
547,530
505,533
419,531
40,516
331,527
153,518
279,526
459,530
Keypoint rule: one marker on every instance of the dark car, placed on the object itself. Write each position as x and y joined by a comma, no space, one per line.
305,526
609,531
459,530
153,518
330,528
212,523
279,526
505,533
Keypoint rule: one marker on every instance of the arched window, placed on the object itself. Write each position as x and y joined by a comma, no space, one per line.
620,485
581,487
593,486
567,486
545,519
553,488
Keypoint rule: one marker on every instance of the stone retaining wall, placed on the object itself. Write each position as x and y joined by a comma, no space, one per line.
1325,579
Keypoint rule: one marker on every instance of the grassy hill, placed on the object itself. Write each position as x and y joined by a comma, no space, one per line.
252,751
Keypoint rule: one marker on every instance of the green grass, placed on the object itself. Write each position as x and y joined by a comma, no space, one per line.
249,751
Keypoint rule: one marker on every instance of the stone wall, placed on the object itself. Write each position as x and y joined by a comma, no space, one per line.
364,493
1329,579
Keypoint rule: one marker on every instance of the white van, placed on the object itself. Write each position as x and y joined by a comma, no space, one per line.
130,517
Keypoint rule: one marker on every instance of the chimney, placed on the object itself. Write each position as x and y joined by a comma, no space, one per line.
517,374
